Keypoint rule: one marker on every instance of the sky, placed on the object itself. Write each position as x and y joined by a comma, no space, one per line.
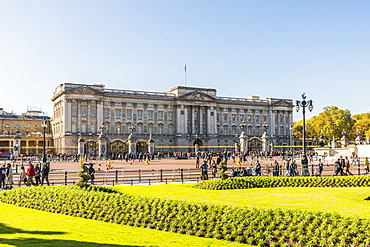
271,49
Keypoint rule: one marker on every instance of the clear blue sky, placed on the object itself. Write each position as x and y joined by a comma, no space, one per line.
242,48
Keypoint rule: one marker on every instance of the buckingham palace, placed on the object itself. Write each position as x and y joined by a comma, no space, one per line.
95,119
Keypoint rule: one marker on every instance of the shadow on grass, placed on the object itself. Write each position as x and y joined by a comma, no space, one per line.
39,242
4,229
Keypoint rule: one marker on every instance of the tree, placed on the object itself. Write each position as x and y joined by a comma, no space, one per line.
332,122
362,124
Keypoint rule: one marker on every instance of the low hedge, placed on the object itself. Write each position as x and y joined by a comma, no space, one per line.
267,182
272,227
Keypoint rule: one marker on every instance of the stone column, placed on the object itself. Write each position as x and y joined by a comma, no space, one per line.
265,145
333,143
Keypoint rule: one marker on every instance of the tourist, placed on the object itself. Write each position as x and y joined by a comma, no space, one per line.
337,167
320,168
204,170
347,165
45,174
257,168
91,173
37,174
2,176
30,174
22,176
9,176
367,166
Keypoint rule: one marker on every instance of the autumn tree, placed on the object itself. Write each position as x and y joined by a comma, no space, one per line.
362,124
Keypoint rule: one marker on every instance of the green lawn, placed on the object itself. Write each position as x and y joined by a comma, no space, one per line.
28,227
346,201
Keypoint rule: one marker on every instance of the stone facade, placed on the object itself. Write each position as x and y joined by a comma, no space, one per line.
24,134
176,119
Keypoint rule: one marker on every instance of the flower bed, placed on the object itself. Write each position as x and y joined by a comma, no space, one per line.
267,182
272,227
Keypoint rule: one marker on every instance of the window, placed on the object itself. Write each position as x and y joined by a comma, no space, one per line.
257,118
93,112
170,116
74,128
83,128
140,114
7,125
150,114
118,129
249,118
233,117
36,126
129,113
17,126
264,119
26,126
170,130
225,117
225,130
106,113
139,129
118,113
160,129
83,112
92,128
150,129
241,118
160,115
74,111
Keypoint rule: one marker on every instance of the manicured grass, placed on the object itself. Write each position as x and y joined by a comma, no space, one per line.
28,227
348,201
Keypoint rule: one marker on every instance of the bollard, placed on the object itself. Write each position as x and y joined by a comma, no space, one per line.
113,182
116,176
149,181
161,176
182,175
131,182
65,177
166,180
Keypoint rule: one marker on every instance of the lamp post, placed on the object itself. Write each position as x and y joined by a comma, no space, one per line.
304,103
265,126
291,137
43,124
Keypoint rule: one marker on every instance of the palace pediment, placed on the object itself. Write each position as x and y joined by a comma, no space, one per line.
282,102
83,89
196,96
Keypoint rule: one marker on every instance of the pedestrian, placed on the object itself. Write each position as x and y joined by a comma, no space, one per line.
45,173
37,174
9,176
367,166
204,170
337,169
320,167
347,166
22,176
30,174
91,173
276,169
2,176
257,168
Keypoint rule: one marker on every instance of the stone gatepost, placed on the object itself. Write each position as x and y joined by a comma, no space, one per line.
265,145
333,143
102,142
243,140
151,144
131,144
196,148
81,146
17,146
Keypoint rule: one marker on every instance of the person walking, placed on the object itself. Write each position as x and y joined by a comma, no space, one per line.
257,168
22,176
30,174
45,174
320,168
366,166
9,176
2,176
347,166
204,170
91,173
37,174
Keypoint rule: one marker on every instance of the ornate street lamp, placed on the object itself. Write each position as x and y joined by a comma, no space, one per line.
291,137
43,125
265,127
242,126
304,103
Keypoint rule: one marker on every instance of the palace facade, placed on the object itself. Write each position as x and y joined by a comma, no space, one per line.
176,119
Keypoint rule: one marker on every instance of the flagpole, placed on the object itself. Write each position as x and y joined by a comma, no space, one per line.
185,75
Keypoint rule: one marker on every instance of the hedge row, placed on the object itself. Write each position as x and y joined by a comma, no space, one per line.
267,182
272,227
